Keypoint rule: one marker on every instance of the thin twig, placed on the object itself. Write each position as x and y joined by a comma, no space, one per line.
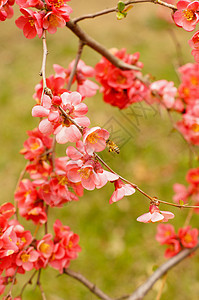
28,282
9,294
70,119
87,40
43,68
188,218
115,9
40,286
81,129
177,46
141,191
72,74
91,286
163,269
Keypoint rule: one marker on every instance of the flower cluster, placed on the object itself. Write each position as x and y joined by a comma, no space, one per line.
186,238
183,193
188,93
164,93
121,88
56,122
85,87
49,15
19,252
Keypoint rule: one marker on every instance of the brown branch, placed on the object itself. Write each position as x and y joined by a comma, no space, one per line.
72,74
43,67
40,286
87,40
115,9
177,47
91,286
141,191
163,269
81,129
70,119
28,282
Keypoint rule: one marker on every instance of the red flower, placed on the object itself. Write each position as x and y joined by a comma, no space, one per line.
30,23
155,215
188,237
186,16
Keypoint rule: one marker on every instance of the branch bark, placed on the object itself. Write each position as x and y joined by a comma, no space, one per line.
87,40
91,286
163,269
114,9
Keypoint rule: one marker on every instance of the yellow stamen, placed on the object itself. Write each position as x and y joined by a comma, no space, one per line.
188,14
25,257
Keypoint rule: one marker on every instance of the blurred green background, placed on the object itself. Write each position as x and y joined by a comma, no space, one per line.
118,253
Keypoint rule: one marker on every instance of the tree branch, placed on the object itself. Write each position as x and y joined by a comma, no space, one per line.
163,269
43,67
114,9
91,286
72,74
87,40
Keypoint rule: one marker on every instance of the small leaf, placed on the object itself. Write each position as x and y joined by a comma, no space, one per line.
121,6
128,8
155,267
181,202
120,16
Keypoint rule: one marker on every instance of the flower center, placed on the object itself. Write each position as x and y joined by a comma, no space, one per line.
34,146
53,21
25,257
188,14
93,138
195,127
84,173
32,22
121,79
188,238
44,248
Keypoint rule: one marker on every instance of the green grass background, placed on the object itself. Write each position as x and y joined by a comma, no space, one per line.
118,253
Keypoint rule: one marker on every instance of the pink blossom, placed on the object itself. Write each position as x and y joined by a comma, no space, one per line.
193,176
165,232
166,92
186,16
30,3
155,215
181,193
85,87
173,248
60,230
27,258
95,139
188,237
194,41
7,210
56,193
45,246
52,20
59,124
30,23
121,190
